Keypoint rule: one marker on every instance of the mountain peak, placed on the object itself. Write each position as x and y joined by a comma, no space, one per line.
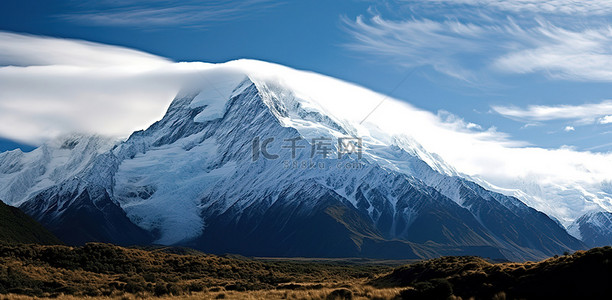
259,159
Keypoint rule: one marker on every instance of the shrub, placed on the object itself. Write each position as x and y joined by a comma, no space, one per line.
196,287
340,294
436,289
160,289
174,289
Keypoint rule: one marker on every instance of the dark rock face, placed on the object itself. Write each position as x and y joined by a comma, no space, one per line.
82,216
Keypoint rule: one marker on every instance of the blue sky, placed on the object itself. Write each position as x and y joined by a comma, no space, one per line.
538,71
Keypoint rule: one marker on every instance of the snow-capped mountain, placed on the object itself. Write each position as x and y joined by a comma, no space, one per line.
63,184
593,229
247,162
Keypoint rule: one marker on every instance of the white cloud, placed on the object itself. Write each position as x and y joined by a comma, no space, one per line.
583,7
527,125
28,50
606,120
450,118
583,114
166,13
569,128
416,43
471,125
561,53
51,86
465,50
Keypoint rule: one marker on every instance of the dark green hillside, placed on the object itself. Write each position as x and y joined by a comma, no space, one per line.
108,270
17,227
582,275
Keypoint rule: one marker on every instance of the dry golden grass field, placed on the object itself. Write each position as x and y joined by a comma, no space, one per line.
103,271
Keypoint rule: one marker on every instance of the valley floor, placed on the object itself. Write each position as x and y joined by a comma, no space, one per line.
103,271
358,292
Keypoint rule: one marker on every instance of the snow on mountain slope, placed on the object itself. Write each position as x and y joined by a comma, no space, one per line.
564,202
218,172
347,105
182,177
593,228
24,174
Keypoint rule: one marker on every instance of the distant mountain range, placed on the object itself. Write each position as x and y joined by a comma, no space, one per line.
246,164
594,229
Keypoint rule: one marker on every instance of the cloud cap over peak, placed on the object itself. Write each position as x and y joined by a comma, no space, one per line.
53,86
29,50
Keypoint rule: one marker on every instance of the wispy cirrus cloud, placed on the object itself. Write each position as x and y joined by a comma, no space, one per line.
159,13
582,114
421,42
469,51
584,7
561,53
